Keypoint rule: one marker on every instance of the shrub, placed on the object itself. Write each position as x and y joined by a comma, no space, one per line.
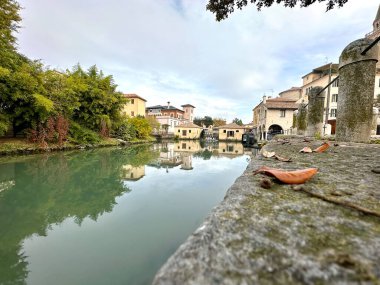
79,134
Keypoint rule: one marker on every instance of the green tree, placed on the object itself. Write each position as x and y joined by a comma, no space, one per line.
97,96
237,121
206,120
222,8
9,23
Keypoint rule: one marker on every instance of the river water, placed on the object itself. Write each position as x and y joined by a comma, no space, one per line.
107,216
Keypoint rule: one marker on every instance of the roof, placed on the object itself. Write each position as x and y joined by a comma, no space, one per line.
324,68
292,89
133,96
189,125
231,126
160,107
377,15
281,103
187,105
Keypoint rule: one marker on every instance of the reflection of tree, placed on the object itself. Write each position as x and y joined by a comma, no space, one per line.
205,154
51,188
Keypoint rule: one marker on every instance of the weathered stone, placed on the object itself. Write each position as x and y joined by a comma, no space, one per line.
356,80
284,236
315,106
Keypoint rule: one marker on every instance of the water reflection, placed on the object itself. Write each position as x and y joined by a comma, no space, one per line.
42,191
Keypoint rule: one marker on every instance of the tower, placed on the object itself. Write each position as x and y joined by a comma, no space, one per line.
375,32
189,112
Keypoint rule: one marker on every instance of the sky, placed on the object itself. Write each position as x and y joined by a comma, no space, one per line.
175,50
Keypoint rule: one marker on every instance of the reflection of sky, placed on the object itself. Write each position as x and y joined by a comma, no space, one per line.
129,244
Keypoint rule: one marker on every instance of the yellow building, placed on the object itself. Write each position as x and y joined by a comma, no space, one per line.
188,131
135,106
232,132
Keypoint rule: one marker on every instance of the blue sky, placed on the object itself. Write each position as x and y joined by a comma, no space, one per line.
174,50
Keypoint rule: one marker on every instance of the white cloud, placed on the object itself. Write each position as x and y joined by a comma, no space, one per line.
174,50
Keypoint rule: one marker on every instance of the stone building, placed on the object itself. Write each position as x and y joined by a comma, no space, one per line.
273,116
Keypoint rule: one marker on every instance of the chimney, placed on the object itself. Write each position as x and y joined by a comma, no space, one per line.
168,104
264,99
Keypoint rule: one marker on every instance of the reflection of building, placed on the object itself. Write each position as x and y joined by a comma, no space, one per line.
188,131
231,131
133,173
135,106
230,148
187,146
187,162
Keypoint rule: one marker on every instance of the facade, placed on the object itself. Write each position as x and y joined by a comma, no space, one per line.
188,131
321,77
231,132
135,106
273,116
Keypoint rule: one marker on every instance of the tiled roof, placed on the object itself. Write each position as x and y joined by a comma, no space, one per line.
160,107
292,89
281,103
189,125
231,126
187,105
133,96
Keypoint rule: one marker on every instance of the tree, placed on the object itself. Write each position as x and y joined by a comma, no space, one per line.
219,122
206,120
237,121
9,23
222,8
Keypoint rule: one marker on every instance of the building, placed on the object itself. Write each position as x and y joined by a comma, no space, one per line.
188,131
231,132
135,106
188,112
273,116
169,116
321,77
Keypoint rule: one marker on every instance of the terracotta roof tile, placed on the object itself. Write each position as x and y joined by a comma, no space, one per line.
133,96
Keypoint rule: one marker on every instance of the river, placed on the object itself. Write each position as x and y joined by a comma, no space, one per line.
107,216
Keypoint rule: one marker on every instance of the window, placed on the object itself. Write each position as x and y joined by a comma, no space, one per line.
189,131
282,113
334,98
237,131
230,134
179,131
230,148
333,113
184,132
224,131
336,83
132,101
379,82
132,113
265,113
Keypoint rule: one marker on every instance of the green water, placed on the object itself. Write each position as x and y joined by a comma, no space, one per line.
106,216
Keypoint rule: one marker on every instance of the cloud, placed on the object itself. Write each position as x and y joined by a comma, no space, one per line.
174,50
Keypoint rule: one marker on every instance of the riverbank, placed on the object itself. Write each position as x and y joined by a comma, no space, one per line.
21,146
284,236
